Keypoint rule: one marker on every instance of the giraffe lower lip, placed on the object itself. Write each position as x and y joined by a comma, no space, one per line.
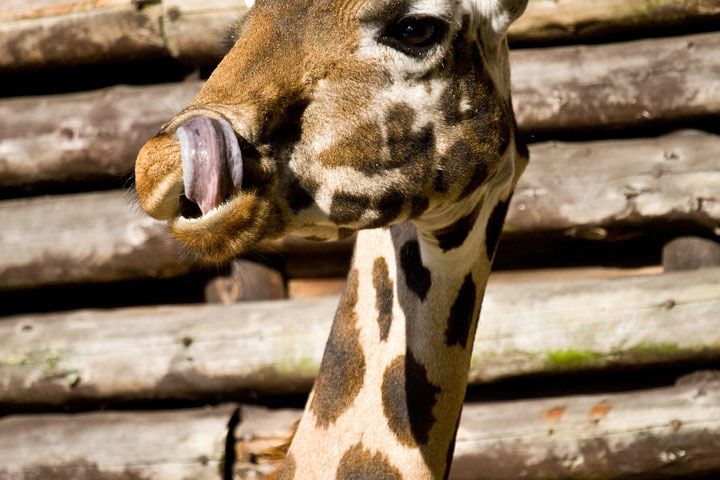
211,162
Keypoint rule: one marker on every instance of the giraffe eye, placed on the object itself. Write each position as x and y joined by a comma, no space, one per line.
415,35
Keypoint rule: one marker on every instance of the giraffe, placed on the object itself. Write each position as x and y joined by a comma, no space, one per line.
389,118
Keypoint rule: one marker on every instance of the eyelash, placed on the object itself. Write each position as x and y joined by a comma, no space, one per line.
428,33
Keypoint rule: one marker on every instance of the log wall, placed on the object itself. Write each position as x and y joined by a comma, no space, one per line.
563,90
275,347
52,33
652,434
600,190
597,101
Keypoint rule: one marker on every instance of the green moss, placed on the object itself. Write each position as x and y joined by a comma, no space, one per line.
14,361
305,366
52,360
570,358
659,349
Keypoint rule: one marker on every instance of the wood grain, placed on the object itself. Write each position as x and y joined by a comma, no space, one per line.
52,33
671,432
165,445
270,348
655,82
603,191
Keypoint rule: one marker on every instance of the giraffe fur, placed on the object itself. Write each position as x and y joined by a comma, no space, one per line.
389,118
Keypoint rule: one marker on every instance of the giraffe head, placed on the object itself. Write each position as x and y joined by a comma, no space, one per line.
329,116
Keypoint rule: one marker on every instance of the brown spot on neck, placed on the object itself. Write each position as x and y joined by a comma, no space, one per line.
494,227
453,236
408,398
357,463
417,275
461,314
383,296
343,365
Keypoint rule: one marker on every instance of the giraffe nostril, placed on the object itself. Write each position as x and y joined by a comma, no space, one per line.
188,208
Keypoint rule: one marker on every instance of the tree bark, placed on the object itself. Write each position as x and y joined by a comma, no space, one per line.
272,348
690,253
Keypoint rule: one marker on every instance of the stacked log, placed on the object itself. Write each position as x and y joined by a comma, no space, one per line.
659,433
563,90
651,434
599,190
52,33
590,185
274,348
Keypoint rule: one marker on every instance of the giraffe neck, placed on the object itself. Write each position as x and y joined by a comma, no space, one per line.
390,390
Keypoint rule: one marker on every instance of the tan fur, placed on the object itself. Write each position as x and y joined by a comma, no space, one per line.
341,130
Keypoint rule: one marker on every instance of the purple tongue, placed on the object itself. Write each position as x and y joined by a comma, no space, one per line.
211,161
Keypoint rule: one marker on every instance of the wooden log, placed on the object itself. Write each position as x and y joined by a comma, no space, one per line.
315,287
247,281
271,348
196,30
573,20
601,190
604,190
565,89
65,33
690,253
321,287
51,33
583,88
82,137
80,238
171,445
671,432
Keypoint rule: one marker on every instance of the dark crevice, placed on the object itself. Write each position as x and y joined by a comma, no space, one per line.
92,77
598,382
229,458
584,35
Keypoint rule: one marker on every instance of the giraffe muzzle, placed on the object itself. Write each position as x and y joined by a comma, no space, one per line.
212,164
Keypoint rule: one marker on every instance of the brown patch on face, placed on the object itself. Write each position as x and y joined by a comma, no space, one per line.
383,296
362,150
453,236
343,364
461,314
494,227
287,469
361,464
417,276
389,207
347,208
471,104
300,196
418,206
407,146
408,399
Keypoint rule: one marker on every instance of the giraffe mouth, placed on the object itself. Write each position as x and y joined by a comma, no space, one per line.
212,165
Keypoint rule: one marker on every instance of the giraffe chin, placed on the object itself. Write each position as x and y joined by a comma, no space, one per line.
228,230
